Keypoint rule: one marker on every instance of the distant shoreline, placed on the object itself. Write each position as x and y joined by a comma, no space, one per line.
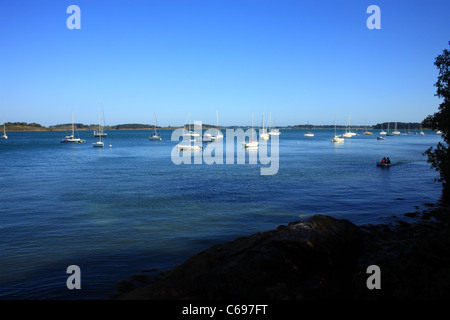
33,127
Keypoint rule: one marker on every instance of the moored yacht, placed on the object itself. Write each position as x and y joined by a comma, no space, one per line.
71,138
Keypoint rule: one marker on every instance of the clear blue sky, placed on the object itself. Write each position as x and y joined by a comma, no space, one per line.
298,60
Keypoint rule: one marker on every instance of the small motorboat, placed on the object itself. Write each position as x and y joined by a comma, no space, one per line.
384,164
381,138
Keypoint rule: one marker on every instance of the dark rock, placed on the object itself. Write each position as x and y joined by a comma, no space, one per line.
315,258
413,258
319,258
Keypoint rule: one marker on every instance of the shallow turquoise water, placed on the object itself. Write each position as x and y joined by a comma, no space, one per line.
119,210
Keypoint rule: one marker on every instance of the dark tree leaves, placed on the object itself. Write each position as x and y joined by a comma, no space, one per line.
439,156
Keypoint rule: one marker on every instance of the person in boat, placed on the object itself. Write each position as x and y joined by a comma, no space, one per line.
388,161
383,160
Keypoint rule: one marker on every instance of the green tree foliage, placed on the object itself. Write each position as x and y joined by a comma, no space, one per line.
439,156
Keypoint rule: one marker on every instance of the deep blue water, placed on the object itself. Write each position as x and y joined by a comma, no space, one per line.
119,210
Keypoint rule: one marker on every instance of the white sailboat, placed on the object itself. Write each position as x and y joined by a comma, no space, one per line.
309,134
336,139
155,136
189,132
388,133
396,132
273,132
4,136
253,143
189,147
348,133
101,126
71,138
264,135
208,137
99,143
219,134
382,132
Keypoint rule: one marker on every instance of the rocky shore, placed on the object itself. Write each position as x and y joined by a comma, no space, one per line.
317,258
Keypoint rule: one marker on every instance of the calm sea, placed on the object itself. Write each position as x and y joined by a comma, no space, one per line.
117,211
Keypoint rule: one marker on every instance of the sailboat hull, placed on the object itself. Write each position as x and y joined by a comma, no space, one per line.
72,140
347,135
251,144
189,148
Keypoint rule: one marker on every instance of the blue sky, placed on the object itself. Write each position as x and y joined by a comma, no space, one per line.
301,61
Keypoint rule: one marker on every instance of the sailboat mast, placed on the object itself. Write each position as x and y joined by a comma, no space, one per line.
73,129
103,119
334,126
217,115
270,121
263,122
252,126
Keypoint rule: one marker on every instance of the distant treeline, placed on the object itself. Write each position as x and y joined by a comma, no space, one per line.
76,126
23,126
151,126
310,126
133,126
400,125
384,125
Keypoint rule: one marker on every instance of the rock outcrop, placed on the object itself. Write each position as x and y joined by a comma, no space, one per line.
311,259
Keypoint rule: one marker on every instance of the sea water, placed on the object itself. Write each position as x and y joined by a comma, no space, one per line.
118,210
